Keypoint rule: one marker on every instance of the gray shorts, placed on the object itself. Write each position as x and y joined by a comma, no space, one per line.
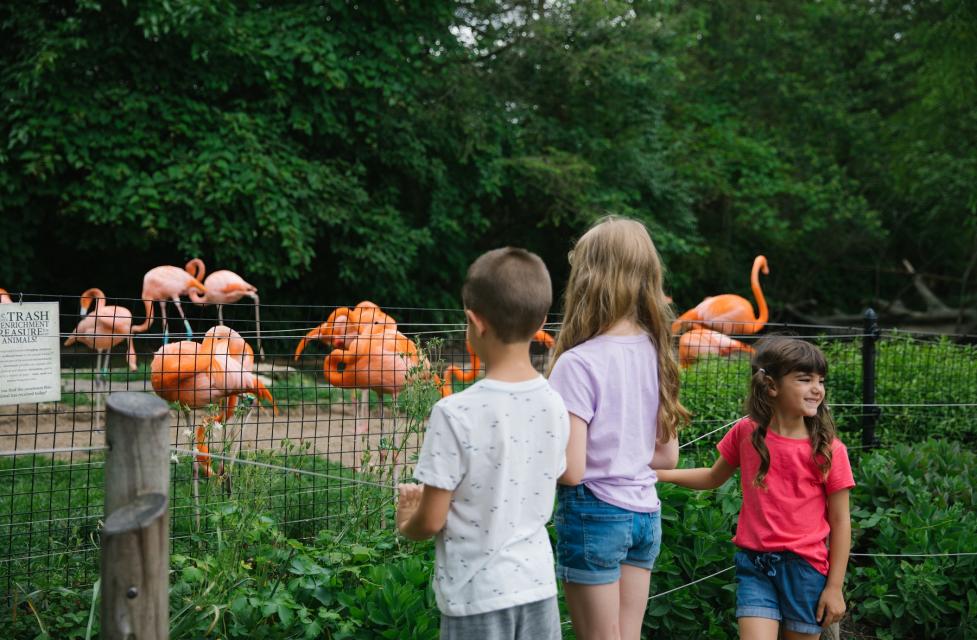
533,621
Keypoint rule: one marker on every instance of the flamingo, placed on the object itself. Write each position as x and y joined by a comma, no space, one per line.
169,283
103,329
199,375
699,342
729,313
226,287
5,297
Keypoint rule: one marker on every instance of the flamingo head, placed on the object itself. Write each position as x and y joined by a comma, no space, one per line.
760,262
90,295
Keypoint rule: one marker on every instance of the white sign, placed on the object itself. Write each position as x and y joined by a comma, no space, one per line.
30,353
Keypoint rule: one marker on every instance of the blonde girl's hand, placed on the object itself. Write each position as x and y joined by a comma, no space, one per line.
408,500
831,606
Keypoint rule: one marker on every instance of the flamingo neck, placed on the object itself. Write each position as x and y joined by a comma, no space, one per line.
763,312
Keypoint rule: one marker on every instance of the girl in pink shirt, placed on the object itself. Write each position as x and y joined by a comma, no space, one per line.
795,476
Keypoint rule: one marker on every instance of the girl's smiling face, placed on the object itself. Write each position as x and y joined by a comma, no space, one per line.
799,393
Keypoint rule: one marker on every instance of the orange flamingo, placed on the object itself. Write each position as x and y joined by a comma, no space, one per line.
168,283
729,313
5,297
226,287
699,342
103,329
213,372
344,323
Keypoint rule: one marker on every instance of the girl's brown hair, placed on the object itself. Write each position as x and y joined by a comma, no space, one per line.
615,273
775,357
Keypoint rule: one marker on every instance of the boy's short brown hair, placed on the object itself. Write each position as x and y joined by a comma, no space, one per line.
511,289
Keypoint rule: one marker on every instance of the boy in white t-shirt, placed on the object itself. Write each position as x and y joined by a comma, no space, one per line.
489,464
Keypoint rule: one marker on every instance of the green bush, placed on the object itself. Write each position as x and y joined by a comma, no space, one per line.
909,371
909,499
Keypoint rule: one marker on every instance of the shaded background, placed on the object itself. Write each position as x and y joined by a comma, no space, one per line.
344,151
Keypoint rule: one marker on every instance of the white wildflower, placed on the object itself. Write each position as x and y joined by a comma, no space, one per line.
218,426
188,433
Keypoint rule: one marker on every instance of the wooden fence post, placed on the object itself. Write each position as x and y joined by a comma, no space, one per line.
135,538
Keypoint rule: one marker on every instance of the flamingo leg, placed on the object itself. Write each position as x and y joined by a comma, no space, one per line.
257,324
166,326
195,466
360,402
220,314
186,323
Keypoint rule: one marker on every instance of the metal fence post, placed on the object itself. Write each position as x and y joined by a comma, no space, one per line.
135,538
870,411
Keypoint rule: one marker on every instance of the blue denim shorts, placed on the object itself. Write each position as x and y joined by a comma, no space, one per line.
778,585
594,538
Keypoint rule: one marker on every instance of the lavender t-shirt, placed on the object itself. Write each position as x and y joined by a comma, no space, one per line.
611,383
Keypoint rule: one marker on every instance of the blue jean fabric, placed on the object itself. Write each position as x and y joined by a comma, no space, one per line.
780,586
594,538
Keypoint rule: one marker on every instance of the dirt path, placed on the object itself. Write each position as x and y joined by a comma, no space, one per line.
333,431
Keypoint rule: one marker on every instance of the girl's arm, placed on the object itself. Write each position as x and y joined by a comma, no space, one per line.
831,605
576,452
666,454
700,478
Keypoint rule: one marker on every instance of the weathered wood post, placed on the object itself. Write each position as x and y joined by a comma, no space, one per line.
135,538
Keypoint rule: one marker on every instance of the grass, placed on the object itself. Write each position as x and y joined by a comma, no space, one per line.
52,509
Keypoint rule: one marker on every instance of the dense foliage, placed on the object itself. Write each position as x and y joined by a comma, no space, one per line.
335,151
364,582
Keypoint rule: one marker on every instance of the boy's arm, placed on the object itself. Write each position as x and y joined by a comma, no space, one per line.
422,510
700,478
576,452
831,605
666,454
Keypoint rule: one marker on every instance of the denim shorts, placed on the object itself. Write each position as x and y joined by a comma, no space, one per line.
778,585
593,538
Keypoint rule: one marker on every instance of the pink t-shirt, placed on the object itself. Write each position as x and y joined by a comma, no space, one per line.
791,514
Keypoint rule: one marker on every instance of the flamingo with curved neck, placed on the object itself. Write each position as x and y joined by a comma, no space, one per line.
698,343
226,287
729,313
104,328
169,283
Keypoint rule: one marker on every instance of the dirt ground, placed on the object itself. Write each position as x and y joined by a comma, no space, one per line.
333,430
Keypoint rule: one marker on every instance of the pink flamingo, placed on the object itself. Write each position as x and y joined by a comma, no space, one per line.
103,329
698,342
213,372
168,283
5,297
730,313
226,287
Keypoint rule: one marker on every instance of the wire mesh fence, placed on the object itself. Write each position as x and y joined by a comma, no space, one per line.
337,396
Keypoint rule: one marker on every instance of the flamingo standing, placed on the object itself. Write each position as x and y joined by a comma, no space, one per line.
729,313
226,287
200,375
5,297
169,283
699,342
103,329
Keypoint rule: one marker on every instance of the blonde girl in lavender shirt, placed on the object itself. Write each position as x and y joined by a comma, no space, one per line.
615,369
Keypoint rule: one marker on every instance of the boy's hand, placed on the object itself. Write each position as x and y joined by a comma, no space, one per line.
407,503
831,606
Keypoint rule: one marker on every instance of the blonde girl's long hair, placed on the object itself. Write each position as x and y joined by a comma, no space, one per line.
775,357
615,273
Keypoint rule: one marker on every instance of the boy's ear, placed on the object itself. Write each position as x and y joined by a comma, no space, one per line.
477,321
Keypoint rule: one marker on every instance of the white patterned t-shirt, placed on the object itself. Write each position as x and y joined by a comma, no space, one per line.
499,447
